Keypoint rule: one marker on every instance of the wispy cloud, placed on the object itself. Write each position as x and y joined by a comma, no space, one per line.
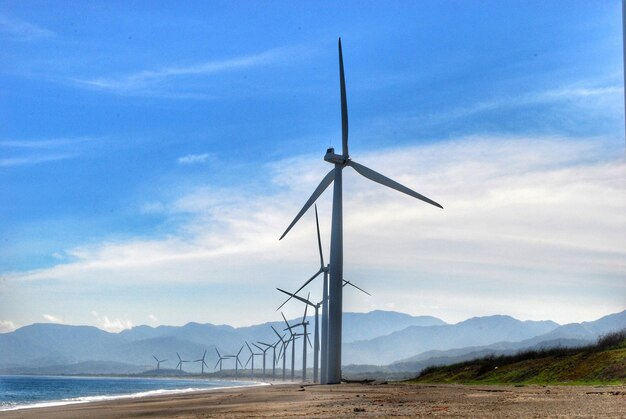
7,326
111,325
144,82
17,29
604,99
33,160
529,212
32,152
52,319
193,159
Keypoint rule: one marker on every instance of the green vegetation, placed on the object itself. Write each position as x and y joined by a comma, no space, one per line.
600,363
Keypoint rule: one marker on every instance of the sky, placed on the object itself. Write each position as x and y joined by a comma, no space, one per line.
152,153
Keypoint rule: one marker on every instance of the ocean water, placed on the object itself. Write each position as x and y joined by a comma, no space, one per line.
24,391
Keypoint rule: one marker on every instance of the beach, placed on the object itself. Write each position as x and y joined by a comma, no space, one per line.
357,400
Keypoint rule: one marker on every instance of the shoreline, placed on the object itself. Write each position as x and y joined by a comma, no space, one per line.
125,396
355,400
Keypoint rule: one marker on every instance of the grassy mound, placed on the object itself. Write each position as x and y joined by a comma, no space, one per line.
600,363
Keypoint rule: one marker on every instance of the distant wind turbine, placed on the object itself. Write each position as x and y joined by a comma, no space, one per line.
237,362
180,362
267,347
251,358
324,303
203,364
220,358
283,350
158,362
340,161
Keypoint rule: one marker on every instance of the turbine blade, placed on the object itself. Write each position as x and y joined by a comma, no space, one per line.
308,339
248,361
240,350
155,358
328,179
351,284
277,334
179,358
286,322
308,281
218,353
204,355
306,307
297,297
217,363
383,180
319,239
250,349
344,106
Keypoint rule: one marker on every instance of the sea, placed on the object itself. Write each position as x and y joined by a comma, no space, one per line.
26,391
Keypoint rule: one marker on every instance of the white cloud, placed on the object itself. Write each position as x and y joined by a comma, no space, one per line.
7,326
139,81
522,214
111,325
21,30
193,159
32,160
52,319
153,318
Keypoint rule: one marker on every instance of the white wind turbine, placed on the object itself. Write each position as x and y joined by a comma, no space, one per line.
340,161
323,269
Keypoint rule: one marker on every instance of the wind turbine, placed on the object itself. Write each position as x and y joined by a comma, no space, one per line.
236,360
252,355
267,347
274,359
292,339
203,364
180,362
283,350
340,161
316,338
324,303
158,362
219,360
305,338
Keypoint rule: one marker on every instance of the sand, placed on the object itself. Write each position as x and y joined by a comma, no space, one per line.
358,400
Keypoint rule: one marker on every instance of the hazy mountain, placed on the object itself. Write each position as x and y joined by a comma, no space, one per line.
569,335
416,339
40,345
384,338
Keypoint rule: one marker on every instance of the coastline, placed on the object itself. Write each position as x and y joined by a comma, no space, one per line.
354,400
141,394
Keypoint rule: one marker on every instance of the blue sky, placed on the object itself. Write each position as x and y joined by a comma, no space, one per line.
152,153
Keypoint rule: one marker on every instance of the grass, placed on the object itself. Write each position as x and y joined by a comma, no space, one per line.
601,363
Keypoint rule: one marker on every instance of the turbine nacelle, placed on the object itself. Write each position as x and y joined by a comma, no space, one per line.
334,158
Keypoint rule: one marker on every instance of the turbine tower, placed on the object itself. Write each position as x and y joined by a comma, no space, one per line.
340,161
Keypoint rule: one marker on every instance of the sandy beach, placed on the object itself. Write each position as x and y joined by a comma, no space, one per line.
358,400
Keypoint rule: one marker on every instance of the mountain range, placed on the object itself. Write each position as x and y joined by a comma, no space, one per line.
397,340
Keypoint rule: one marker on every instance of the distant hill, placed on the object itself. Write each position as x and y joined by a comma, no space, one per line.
604,362
384,341
40,346
416,339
